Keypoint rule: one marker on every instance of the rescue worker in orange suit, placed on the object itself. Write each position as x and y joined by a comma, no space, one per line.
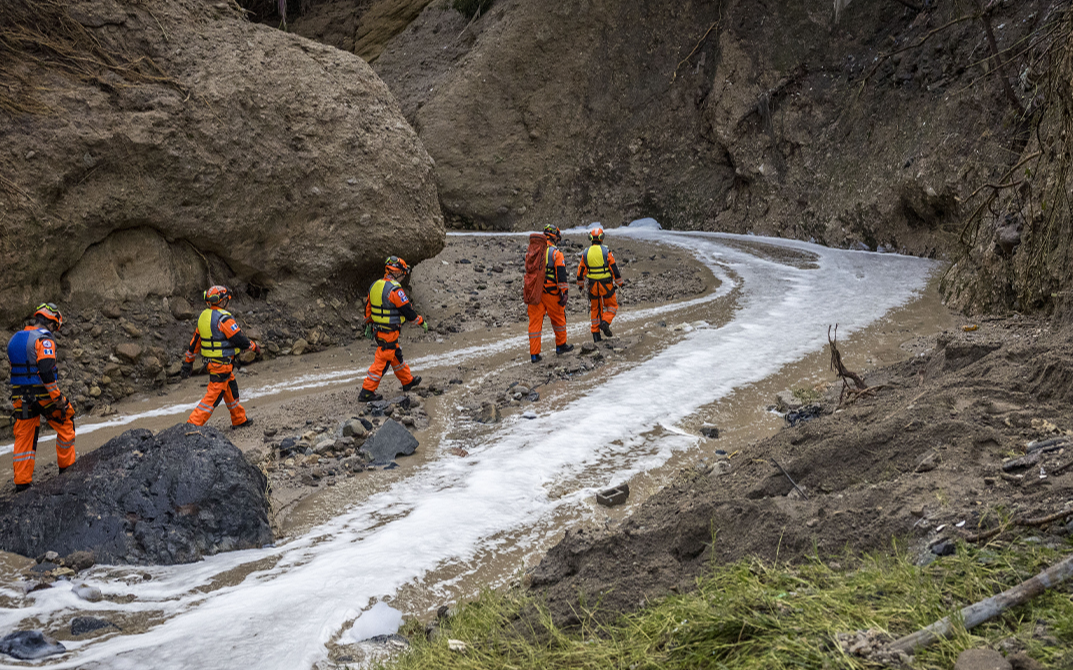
599,268
387,308
35,393
218,339
553,300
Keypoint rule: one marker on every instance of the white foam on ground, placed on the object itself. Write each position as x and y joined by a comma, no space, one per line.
456,511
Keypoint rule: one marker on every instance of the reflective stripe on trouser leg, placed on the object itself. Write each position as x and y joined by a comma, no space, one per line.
400,368
536,324
217,391
557,314
23,458
238,412
387,358
610,308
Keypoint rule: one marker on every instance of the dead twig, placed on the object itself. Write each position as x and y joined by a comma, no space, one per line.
836,361
790,478
674,74
985,535
1000,67
854,395
1062,468
1023,521
1044,520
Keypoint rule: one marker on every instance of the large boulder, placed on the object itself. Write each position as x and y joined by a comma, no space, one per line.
145,499
169,144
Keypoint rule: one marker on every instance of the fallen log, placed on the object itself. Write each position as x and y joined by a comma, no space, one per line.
986,609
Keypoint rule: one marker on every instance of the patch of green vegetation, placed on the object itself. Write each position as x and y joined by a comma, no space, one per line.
470,8
756,616
807,396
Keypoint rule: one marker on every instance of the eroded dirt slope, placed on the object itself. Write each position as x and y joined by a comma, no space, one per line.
907,463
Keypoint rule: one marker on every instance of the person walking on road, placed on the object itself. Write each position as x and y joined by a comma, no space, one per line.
218,339
387,308
35,393
553,299
599,268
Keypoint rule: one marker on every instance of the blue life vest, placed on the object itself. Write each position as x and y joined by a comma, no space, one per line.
22,353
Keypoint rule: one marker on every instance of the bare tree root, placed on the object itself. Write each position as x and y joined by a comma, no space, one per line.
860,390
41,33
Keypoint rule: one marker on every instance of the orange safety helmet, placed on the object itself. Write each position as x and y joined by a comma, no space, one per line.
396,266
216,295
552,232
596,235
49,311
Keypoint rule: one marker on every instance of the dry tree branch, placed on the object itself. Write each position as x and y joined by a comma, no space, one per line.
836,362
1023,521
695,47
988,608
1000,67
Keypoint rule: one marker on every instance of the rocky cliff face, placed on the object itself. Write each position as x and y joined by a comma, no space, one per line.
150,148
731,116
874,130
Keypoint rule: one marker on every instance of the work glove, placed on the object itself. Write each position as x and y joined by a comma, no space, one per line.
186,370
60,408
424,325
620,283
368,331
562,299
254,347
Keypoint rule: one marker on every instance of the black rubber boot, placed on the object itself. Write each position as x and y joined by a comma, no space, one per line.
19,488
247,422
535,358
367,396
416,382
596,337
606,327
563,349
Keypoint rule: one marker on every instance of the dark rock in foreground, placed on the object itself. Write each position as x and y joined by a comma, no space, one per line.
29,645
144,499
391,440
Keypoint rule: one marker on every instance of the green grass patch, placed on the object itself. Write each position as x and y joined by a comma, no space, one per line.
807,396
752,615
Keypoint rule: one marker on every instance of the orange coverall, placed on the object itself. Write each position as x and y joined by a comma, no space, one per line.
552,302
396,310
46,401
222,382
603,276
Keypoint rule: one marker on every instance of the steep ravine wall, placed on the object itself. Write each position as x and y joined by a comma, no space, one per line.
873,131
